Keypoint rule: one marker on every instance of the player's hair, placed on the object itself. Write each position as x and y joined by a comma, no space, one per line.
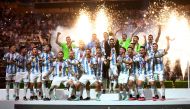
155,44
142,47
130,47
124,48
11,45
136,37
49,45
21,47
60,52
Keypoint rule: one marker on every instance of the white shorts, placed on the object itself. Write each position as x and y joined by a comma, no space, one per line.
132,77
10,76
50,77
58,80
35,78
22,76
85,78
74,79
150,78
140,77
159,77
123,78
113,71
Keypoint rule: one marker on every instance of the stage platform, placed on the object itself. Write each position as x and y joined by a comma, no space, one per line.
175,99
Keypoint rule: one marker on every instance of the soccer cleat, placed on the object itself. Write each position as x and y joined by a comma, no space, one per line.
71,98
131,98
77,99
87,98
154,98
24,98
46,99
104,91
141,99
31,97
16,98
35,98
81,98
163,98
137,96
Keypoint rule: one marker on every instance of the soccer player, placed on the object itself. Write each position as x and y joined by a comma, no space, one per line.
88,63
113,71
35,73
80,51
66,46
149,45
59,67
124,73
47,62
22,72
140,61
10,61
72,74
158,65
99,67
132,77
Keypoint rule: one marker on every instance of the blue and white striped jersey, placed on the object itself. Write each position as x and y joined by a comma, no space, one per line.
10,68
22,60
149,64
149,47
113,57
79,54
35,64
123,66
72,68
136,64
93,51
86,62
139,64
158,62
60,68
100,61
47,63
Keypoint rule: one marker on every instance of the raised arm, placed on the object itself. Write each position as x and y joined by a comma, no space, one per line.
57,42
168,44
159,33
49,37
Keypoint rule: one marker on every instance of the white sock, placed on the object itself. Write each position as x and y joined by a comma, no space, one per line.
25,88
88,93
114,84
81,91
78,93
163,91
141,91
73,91
44,89
70,91
7,87
131,92
15,88
153,91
